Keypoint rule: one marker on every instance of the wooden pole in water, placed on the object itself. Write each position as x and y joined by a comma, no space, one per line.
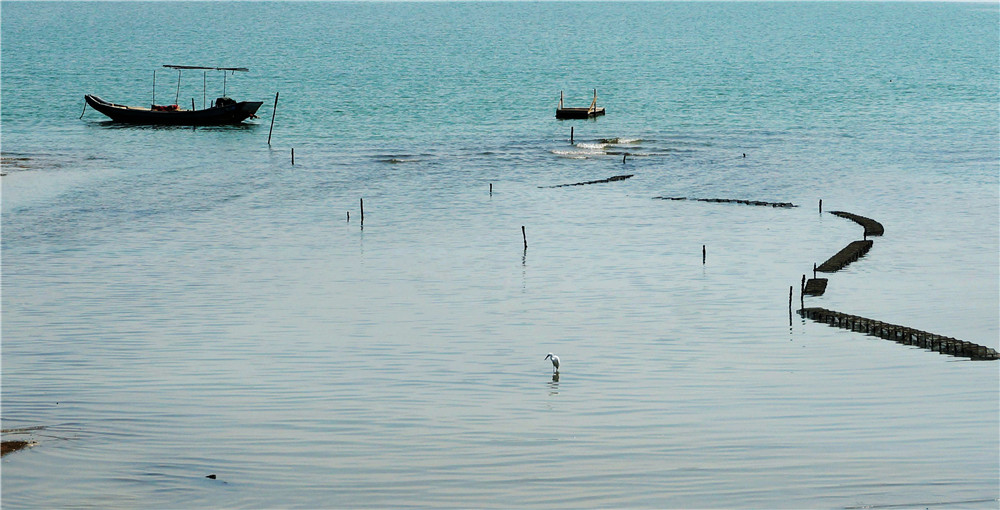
362,211
703,254
348,216
491,189
293,156
570,133
821,206
273,111
802,292
790,306
525,236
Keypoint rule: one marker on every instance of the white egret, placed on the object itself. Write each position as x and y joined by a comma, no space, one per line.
555,362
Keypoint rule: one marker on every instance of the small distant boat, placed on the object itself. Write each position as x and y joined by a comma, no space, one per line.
222,111
578,112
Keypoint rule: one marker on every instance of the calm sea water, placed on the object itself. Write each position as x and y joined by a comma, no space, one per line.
181,302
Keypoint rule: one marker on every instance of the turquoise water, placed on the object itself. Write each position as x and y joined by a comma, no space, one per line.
181,302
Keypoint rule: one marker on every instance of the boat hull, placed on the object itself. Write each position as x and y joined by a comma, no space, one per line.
228,114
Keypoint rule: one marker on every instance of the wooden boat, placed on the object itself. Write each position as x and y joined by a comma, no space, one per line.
578,112
222,111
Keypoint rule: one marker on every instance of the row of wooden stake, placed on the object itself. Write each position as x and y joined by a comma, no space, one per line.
802,286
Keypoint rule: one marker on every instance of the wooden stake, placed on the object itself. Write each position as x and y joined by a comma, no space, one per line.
362,211
703,254
491,189
570,128
293,156
273,112
525,236
821,206
789,306
348,216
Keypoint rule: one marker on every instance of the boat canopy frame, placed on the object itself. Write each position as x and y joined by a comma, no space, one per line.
204,99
